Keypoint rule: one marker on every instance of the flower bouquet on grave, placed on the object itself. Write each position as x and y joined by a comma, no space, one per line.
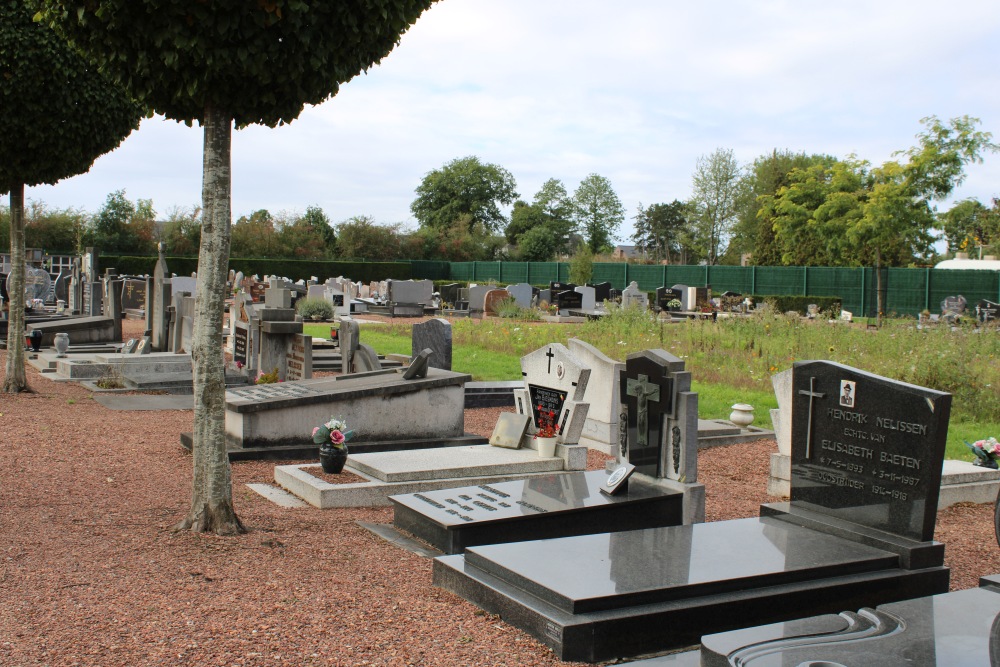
987,451
332,439
547,433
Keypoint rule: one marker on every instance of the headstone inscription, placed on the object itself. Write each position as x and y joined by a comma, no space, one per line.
666,295
867,449
436,335
134,294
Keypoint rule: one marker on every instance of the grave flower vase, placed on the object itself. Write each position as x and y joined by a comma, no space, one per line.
333,458
546,446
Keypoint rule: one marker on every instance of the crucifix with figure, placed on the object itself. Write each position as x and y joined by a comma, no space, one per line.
646,392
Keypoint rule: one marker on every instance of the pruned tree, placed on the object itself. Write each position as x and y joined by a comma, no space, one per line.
220,63
660,230
57,115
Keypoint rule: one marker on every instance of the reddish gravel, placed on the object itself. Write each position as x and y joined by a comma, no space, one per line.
92,574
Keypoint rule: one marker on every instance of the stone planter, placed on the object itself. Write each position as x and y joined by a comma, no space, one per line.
546,447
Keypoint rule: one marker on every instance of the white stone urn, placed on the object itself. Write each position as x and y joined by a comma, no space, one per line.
742,415
61,343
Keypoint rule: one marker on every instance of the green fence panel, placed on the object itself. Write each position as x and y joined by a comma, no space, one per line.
730,279
609,272
779,280
430,270
647,276
693,276
970,283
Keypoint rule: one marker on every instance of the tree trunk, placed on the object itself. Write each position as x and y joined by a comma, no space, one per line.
15,379
212,488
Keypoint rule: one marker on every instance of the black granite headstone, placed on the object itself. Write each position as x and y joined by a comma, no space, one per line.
867,449
987,311
664,295
449,293
545,399
646,393
241,339
567,299
602,292
561,287
953,305
133,294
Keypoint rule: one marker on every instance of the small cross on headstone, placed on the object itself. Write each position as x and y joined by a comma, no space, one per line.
550,354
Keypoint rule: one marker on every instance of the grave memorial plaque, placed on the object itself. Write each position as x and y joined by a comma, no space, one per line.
133,294
547,400
240,344
987,311
867,449
646,394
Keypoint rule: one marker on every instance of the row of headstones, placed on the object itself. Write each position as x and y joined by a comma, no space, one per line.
264,337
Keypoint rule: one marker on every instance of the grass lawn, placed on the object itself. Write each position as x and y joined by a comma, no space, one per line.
732,361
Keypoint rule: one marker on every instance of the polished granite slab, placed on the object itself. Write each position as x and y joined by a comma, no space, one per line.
610,595
540,507
613,570
952,629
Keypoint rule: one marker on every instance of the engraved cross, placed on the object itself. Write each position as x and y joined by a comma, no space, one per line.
812,394
550,354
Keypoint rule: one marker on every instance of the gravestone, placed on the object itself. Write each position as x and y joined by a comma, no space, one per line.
664,295
477,297
780,479
410,292
567,300
588,299
184,284
521,293
560,287
449,293
600,431
158,317
987,311
555,381
866,449
602,292
61,287
858,532
633,296
134,294
687,296
350,338
493,299
436,335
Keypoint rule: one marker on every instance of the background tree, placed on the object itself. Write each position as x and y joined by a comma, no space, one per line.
581,267
597,212
361,237
468,189
969,226
182,231
121,226
536,245
460,242
309,236
754,229
660,230
218,63
716,198
55,231
255,235
57,115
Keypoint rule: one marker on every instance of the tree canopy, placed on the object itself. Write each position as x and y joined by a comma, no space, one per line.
57,115
715,201
468,189
222,62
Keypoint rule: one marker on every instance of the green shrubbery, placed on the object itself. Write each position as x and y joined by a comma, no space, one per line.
314,308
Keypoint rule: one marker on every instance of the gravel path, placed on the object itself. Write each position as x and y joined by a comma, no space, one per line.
92,574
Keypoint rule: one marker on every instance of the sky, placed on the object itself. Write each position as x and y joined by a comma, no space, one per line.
633,90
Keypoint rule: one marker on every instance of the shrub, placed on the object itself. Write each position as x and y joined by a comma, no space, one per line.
314,307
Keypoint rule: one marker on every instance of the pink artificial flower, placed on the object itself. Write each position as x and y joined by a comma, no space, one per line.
315,429
337,437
